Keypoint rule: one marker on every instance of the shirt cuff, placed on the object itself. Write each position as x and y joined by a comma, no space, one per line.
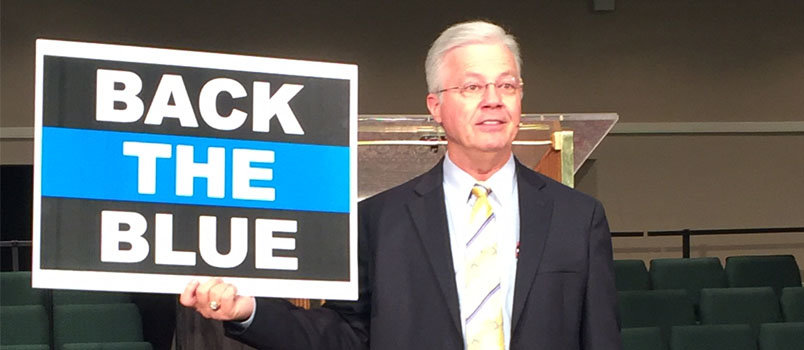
242,326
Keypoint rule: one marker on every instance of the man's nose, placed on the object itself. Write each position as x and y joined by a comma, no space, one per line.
492,96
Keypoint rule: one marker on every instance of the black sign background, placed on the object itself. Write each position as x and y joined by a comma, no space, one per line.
71,230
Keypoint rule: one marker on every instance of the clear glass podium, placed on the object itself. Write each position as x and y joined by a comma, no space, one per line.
394,148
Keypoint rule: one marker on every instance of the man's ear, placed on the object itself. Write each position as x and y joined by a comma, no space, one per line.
434,105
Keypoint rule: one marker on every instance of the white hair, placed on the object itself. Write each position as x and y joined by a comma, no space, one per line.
462,34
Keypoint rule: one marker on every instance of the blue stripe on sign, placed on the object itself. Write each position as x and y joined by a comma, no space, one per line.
90,164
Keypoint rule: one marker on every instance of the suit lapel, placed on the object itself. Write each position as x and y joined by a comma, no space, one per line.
535,212
429,215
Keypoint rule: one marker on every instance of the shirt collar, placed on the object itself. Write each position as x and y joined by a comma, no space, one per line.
502,182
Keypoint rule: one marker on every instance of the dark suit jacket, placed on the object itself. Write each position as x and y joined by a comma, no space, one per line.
564,295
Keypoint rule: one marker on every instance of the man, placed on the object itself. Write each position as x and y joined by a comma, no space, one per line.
478,253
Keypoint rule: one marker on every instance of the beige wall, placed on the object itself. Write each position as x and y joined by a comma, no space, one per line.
676,182
649,61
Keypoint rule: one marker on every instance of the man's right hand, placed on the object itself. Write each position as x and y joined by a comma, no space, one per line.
214,292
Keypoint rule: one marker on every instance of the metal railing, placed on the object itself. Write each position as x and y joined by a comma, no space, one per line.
685,238
687,233
15,251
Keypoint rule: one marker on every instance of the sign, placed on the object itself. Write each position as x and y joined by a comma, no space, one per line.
153,167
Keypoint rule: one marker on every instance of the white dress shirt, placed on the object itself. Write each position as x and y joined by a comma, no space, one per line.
504,200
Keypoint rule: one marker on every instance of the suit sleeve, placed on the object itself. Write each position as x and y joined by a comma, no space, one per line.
601,325
337,325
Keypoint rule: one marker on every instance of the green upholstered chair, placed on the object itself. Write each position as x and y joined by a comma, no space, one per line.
109,346
24,326
16,289
713,337
25,347
98,323
752,306
655,308
631,275
689,274
776,271
792,301
781,336
68,297
643,338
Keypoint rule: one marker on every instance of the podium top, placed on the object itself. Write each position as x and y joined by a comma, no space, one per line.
535,129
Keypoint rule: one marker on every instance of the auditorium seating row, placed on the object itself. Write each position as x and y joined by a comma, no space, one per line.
776,271
673,307
772,336
35,318
693,304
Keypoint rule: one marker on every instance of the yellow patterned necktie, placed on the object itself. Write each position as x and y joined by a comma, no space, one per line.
482,294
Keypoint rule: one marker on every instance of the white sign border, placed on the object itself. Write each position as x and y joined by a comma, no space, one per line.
169,283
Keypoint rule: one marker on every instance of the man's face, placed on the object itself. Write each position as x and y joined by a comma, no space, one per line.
483,124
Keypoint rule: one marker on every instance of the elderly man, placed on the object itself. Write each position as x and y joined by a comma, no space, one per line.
478,253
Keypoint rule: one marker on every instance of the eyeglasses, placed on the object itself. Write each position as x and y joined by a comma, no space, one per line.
507,87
